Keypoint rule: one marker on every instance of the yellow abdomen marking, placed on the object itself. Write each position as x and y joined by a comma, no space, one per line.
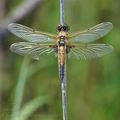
62,54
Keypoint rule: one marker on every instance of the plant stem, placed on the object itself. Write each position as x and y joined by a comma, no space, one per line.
62,15
64,93
62,69
20,89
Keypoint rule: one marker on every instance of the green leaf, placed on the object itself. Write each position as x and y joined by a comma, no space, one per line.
31,107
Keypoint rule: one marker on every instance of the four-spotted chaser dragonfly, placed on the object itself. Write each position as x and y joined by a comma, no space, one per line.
76,45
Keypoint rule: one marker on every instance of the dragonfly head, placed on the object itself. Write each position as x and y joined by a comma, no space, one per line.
64,28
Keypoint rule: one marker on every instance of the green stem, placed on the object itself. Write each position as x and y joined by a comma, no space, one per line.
20,89
62,16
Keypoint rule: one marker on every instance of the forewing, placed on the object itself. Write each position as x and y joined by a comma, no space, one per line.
33,50
92,34
90,51
29,34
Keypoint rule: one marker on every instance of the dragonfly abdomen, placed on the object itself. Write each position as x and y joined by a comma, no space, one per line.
62,71
61,60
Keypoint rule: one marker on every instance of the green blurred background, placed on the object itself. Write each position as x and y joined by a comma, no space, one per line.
93,86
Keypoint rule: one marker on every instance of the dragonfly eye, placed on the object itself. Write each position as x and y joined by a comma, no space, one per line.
66,28
63,28
59,28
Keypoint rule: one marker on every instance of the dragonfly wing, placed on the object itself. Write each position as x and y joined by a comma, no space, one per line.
92,34
33,50
29,34
89,51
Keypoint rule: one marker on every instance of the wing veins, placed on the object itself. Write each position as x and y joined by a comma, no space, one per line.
29,34
91,50
92,33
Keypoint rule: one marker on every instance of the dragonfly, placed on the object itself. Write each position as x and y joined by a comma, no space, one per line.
74,45
67,45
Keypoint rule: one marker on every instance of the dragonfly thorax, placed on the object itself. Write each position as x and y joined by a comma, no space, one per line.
62,41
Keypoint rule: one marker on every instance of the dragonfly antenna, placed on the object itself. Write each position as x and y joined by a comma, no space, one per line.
62,15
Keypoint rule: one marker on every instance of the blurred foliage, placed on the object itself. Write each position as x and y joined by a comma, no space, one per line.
93,86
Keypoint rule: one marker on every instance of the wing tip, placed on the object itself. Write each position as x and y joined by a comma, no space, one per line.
109,23
10,26
112,48
12,47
